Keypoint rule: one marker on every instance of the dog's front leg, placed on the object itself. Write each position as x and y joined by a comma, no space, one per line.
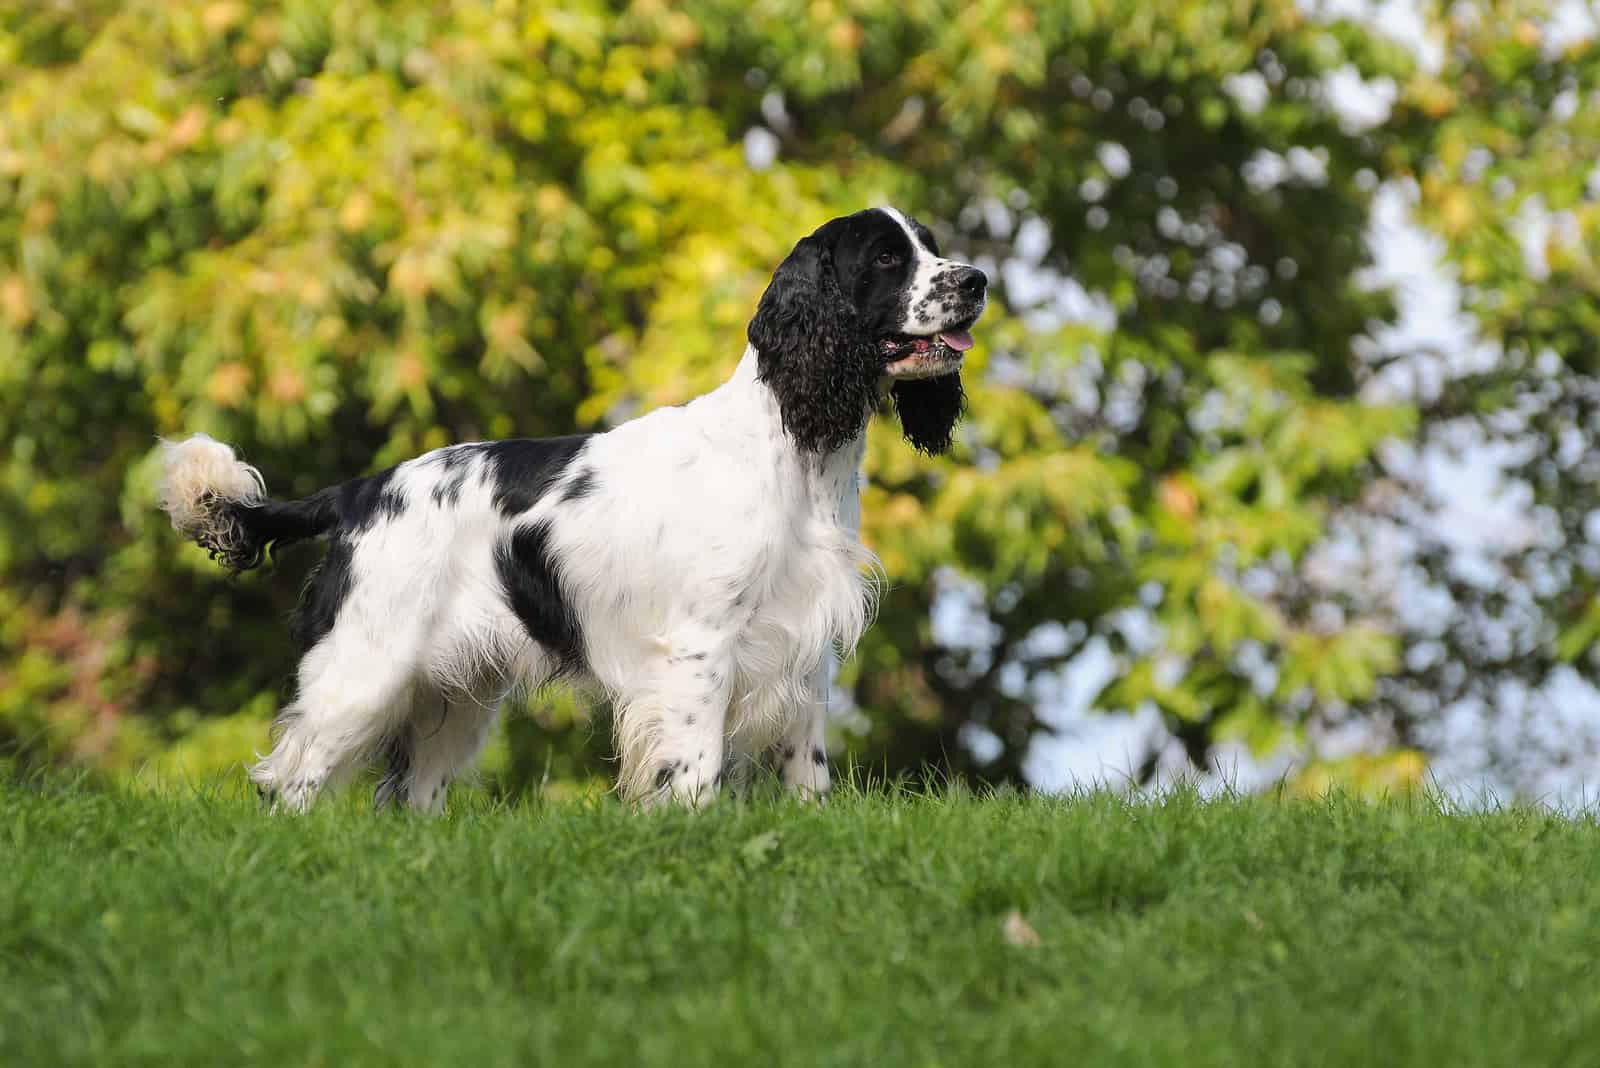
671,729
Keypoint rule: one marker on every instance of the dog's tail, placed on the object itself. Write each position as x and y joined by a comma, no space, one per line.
220,502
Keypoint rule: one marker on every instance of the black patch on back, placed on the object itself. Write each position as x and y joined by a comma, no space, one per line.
524,469
526,565
580,485
454,466
363,502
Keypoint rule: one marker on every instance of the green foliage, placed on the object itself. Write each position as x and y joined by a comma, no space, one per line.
339,234
878,930
1501,143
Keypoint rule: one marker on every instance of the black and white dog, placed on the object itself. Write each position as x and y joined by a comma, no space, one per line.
698,564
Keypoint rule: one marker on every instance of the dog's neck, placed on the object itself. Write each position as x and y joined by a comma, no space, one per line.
747,407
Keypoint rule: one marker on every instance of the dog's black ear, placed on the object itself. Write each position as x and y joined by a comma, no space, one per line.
810,350
929,409
794,308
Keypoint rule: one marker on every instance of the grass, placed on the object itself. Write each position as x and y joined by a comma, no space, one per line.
199,930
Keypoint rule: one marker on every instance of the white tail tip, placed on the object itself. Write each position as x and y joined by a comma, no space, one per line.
195,473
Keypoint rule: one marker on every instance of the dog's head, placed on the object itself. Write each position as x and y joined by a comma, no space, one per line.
866,302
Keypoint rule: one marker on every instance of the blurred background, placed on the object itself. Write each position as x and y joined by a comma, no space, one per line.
1280,462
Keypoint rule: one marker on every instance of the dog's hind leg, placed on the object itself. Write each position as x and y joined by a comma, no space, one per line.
441,740
347,706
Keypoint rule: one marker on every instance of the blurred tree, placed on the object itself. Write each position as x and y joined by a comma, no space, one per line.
1501,151
340,234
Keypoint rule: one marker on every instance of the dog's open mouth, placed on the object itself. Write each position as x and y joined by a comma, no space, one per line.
924,357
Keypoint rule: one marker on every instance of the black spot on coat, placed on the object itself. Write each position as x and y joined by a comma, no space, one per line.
581,485
454,466
530,576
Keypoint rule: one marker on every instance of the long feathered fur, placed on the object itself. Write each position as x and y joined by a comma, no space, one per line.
813,352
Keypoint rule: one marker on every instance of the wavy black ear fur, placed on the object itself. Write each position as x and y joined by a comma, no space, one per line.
929,409
811,351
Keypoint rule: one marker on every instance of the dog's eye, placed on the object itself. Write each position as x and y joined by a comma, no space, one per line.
888,259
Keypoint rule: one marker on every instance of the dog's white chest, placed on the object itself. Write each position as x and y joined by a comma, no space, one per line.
811,597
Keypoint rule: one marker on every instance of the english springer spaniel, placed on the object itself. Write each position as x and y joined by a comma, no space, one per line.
698,565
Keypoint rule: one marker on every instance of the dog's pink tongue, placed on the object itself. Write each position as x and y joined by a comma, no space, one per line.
960,340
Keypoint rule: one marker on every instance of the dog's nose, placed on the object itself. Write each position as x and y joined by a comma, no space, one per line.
972,282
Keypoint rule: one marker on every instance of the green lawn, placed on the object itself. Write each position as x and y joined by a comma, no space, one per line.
199,930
